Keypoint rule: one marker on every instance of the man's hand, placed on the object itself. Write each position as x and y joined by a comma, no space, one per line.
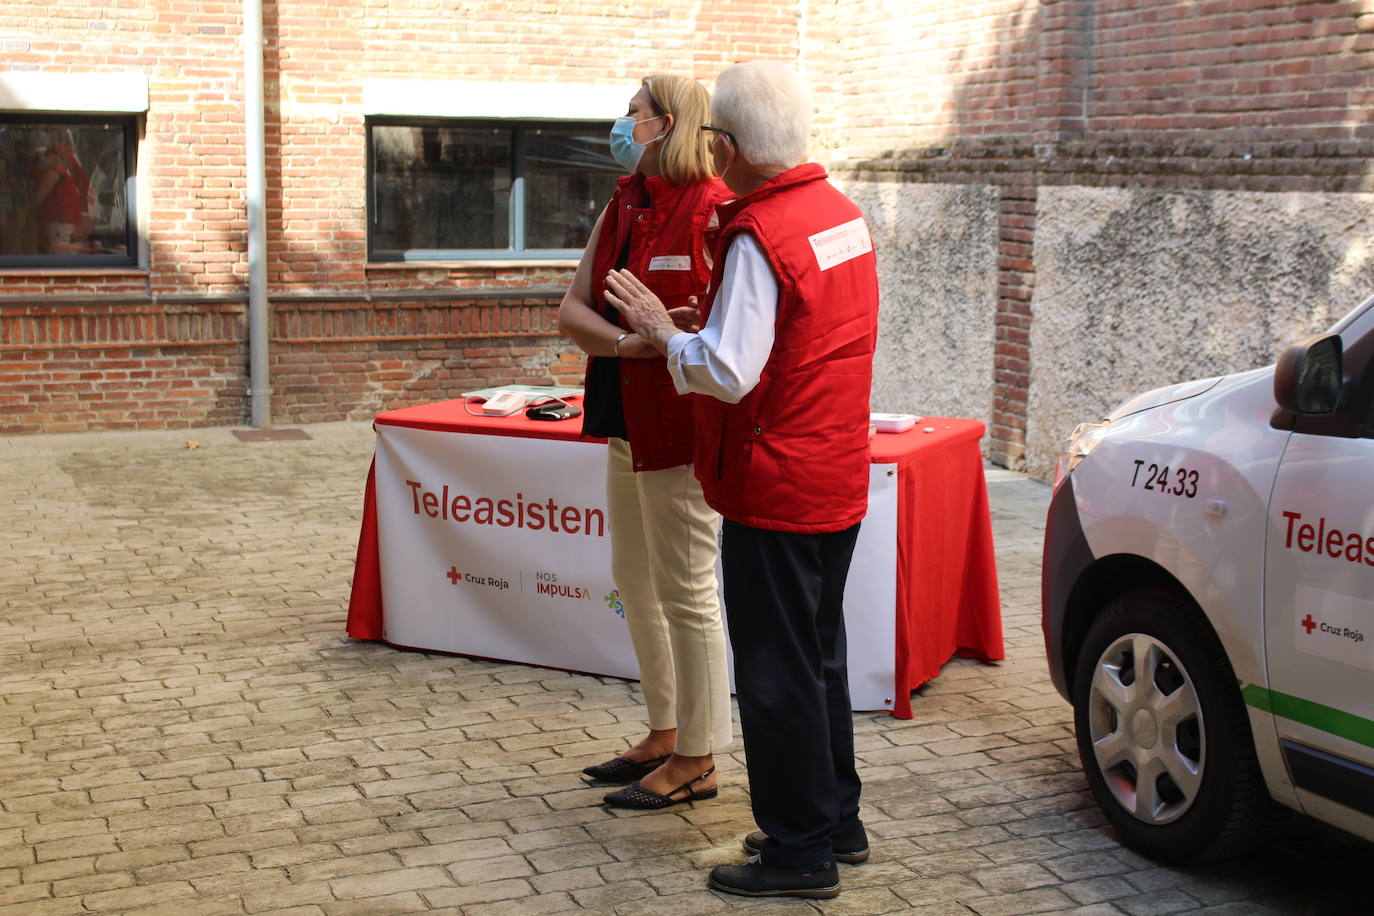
687,317
643,311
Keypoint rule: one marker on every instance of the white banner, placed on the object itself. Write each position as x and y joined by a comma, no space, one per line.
497,546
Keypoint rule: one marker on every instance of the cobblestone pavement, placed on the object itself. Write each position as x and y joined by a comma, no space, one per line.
184,728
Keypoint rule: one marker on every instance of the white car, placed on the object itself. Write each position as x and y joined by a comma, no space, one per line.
1208,599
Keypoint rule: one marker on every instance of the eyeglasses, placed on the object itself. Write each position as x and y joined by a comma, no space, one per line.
724,133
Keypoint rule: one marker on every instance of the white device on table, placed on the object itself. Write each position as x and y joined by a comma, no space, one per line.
503,403
893,422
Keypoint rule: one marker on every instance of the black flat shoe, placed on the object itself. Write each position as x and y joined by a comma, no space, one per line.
755,879
641,799
851,851
622,769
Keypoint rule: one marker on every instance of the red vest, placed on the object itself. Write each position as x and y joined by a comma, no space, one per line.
793,454
668,253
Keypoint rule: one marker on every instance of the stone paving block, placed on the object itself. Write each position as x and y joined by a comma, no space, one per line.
1156,903
295,894
24,893
1040,900
379,842
198,867
589,797
496,868
70,848
1047,825
1098,890
293,853
1028,751
1248,908
159,894
17,856
342,866
60,906
48,871
204,906
267,804
1022,876
569,879
89,884
345,812
865,900
612,895
456,852
564,857
541,905
168,833
949,887
407,902
489,892
642,869
386,883
948,908
1085,865
701,901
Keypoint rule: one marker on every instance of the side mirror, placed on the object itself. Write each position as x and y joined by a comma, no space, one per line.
1307,379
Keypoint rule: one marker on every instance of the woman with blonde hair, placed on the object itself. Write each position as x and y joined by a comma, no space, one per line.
663,535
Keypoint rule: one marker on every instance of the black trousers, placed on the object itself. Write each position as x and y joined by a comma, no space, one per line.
784,605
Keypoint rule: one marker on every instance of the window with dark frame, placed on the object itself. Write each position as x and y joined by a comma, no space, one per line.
66,190
485,190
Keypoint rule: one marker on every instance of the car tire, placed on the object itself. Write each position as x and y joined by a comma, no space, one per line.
1162,731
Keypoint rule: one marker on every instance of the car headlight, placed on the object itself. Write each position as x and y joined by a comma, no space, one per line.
1080,444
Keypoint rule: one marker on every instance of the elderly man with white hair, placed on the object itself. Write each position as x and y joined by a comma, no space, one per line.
785,361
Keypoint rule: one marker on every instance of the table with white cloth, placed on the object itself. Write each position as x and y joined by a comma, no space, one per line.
487,537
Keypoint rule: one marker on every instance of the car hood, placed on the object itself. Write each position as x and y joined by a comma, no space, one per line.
1166,395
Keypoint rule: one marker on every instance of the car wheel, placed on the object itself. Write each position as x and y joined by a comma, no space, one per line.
1163,733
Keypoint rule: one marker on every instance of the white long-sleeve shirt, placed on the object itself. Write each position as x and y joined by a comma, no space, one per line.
726,357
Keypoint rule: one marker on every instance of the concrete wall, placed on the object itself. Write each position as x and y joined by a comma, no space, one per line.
1141,288
937,266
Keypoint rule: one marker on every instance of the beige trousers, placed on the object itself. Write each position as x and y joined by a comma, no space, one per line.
663,559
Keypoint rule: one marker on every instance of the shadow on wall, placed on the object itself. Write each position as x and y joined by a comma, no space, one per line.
1167,243
934,209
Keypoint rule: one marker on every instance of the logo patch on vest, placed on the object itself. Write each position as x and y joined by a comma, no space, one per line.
841,243
671,262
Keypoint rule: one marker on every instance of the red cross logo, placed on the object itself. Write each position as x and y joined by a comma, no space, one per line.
1308,623
454,575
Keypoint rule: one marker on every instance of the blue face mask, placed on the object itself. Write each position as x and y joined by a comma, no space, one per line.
624,149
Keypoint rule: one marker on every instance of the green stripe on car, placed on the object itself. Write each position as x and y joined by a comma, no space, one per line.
1337,722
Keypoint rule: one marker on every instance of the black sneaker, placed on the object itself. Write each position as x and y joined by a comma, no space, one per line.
755,879
850,850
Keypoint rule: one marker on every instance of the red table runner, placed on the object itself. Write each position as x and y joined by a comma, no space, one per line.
947,598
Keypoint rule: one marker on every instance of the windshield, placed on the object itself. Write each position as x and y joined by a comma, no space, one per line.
1357,324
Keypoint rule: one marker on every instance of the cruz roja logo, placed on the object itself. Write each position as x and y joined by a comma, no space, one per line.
1309,624
546,583
454,577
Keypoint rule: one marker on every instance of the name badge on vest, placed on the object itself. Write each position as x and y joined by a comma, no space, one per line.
841,243
671,262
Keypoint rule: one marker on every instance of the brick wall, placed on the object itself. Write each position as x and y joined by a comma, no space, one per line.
1016,94
167,346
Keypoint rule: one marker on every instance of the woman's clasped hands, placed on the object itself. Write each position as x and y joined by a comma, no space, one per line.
653,323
